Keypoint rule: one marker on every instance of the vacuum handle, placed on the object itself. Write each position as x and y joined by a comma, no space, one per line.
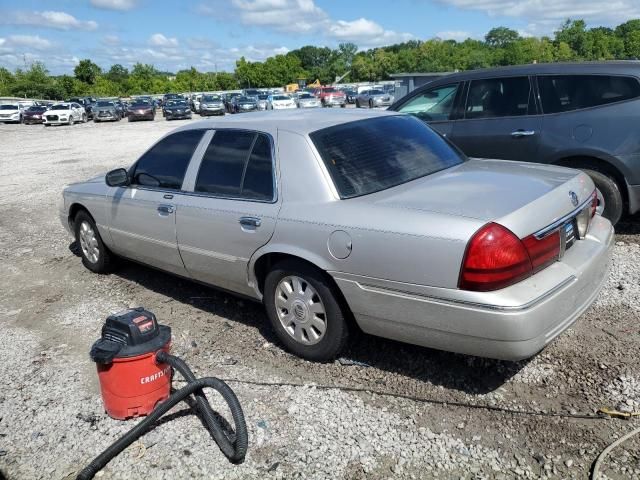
104,351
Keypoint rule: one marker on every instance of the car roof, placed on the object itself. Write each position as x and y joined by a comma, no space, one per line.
300,121
619,67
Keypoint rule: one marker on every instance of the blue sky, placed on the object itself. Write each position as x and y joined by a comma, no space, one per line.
212,34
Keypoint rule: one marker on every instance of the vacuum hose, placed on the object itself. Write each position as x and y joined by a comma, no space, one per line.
234,446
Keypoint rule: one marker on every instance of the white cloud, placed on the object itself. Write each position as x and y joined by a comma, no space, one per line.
303,17
121,5
546,15
457,35
48,19
159,40
29,41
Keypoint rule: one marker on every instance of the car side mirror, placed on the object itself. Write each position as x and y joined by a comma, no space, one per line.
117,178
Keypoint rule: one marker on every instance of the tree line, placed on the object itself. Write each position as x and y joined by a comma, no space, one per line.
573,41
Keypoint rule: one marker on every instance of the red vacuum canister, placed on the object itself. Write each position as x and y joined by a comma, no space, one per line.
131,381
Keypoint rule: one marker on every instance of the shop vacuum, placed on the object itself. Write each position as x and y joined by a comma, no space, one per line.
135,370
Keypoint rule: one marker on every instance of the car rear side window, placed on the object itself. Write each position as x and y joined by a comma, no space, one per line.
500,97
563,93
370,155
237,164
165,165
433,105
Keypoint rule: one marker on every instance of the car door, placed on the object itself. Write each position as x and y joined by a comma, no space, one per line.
232,209
435,105
142,216
500,120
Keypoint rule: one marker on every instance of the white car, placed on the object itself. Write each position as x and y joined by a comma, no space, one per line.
280,102
11,112
64,113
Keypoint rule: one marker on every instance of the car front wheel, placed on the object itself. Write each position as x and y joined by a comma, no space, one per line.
304,311
95,256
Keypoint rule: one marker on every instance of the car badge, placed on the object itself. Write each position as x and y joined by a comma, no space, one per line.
574,198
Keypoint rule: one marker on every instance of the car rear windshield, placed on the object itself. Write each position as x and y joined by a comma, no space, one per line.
140,104
60,107
105,104
9,107
376,92
370,155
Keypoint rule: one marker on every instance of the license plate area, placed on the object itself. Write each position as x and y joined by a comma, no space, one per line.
568,236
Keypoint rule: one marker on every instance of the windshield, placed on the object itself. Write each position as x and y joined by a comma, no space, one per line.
263,97
8,107
36,109
140,104
329,90
60,107
211,98
370,155
306,95
105,104
177,103
281,97
246,100
376,92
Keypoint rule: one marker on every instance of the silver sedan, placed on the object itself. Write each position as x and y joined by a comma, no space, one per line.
331,218
373,98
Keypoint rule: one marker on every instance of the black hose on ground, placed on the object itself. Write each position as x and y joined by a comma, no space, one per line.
234,449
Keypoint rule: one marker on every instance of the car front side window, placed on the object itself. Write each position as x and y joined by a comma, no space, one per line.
433,105
499,97
165,164
237,164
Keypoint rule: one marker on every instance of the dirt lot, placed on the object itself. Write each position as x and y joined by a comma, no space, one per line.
51,310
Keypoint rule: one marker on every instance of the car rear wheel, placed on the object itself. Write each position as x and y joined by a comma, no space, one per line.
357,103
95,255
304,311
370,103
610,201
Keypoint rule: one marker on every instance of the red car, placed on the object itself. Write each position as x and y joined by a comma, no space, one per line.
330,96
33,114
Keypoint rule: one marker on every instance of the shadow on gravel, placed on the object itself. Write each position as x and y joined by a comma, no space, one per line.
629,225
472,375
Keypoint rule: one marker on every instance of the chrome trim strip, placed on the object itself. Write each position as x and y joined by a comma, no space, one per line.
209,253
558,223
464,303
142,237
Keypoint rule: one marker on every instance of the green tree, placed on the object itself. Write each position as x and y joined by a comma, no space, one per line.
501,37
117,73
86,71
6,81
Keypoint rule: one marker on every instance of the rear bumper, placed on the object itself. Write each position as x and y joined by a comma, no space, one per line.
483,325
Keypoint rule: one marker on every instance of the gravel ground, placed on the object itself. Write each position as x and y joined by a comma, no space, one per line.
51,310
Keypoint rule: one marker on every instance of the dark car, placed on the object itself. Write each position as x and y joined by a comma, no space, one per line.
244,104
106,111
140,110
228,101
211,105
579,115
176,109
33,114
87,103
351,96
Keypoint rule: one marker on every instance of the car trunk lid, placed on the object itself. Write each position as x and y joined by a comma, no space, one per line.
523,197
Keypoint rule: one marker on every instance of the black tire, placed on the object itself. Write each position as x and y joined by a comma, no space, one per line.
370,103
357,103
337,330
84,118
613,200
106,259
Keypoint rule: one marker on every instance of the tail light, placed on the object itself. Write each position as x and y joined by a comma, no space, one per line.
496,258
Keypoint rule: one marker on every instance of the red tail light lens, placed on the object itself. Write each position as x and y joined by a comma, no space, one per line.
495,258
594,203
543,252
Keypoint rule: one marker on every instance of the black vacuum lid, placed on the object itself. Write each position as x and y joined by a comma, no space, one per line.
129,333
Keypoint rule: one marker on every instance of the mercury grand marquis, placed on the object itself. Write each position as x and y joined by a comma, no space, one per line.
359,218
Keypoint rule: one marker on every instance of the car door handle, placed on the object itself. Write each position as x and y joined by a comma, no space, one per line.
523,133
250,221
165,209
